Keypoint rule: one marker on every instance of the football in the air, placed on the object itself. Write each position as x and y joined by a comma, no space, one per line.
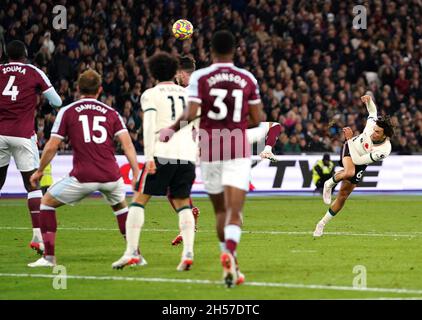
182,29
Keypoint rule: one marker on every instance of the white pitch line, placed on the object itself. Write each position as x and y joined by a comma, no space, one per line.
388,298
213,282
387,234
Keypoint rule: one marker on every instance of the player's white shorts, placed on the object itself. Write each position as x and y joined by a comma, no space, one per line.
70,191
234,173
24,152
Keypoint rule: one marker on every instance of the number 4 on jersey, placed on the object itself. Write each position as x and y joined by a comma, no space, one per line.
10,89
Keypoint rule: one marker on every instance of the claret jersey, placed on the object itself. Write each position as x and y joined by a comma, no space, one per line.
91,127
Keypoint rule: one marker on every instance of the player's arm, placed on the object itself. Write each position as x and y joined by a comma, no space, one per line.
149,124
188,115
256,115
191,111
47,89
48,154
370,106
130,153
53,98
357,159
372,111
367,158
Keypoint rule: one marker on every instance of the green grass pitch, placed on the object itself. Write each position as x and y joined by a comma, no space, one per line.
277,253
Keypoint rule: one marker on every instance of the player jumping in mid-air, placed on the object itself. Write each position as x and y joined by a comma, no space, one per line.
370,146
229,100
20,83
169,167
266,130
91,127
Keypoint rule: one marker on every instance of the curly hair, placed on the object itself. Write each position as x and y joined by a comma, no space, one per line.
163,66
385,123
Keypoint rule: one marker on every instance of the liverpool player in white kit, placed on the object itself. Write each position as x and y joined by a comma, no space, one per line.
91,127
169,167
20,84
372,145
229,101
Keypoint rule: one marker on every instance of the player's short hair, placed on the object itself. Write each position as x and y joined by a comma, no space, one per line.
187,64
16,50
163,66
89,82
385,123
223,42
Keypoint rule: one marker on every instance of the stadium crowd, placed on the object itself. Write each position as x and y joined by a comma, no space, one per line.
311,64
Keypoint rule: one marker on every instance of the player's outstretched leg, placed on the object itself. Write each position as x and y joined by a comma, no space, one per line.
347,173
345,190
271,138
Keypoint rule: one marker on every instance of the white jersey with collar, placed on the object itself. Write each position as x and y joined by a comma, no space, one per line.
362,149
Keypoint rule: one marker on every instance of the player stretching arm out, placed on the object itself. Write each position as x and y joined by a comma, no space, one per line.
372,145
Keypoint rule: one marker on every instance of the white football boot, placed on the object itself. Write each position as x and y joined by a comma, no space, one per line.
186,262
267,154
230,274
319,229
42,262
129,260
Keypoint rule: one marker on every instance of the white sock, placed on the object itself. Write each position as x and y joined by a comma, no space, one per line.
36,235
135,221
223,247
232,232
187,230
268,149
331,182
328,216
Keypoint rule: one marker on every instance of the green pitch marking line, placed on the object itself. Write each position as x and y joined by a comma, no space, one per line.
301,233
211,282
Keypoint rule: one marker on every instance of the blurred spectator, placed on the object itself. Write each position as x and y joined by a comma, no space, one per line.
312,66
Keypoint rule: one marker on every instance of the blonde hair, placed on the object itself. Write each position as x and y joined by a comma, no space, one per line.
89,82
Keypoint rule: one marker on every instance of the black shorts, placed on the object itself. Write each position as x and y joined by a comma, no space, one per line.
359,169
176,178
